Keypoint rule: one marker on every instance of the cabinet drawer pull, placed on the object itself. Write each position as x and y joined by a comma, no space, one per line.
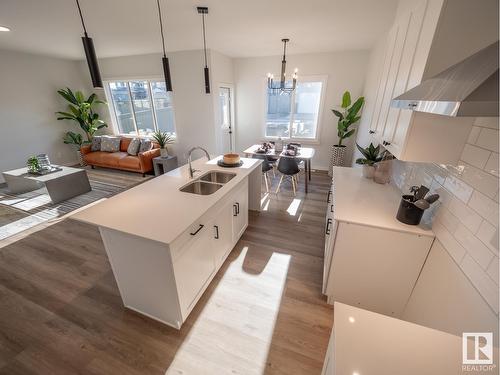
328,222
385,143
197,230
216,232
328,196
371,132
331,208
235,210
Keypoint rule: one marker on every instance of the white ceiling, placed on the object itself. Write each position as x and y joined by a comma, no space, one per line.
234,27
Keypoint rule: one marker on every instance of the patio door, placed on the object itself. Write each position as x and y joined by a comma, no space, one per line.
226,124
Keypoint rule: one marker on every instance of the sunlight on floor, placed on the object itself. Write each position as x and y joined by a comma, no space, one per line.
234,331
264,202
294,206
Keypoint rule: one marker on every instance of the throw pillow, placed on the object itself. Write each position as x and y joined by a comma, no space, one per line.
96,143
133,147
110,144
146,145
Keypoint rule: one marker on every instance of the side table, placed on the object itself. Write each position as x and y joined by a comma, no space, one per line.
163,165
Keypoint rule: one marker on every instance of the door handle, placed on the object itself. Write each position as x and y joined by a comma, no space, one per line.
328,196
235,211
328,222
197,230
216,232
331,208
371,132
237,208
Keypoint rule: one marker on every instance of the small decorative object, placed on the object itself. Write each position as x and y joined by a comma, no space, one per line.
33,165
383,169
371,156
412,207
348,115
231,159
163,139
43,161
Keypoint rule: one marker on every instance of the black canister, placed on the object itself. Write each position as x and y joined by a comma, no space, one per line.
408,213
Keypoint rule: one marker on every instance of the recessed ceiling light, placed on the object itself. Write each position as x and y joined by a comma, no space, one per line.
4,28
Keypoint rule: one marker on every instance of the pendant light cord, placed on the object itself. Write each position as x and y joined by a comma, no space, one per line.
161,29
81,18
204,39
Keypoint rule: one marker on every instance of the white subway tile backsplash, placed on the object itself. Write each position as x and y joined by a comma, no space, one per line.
474,134
488,234
465,215
475,156
458,188
485,207
456,251
487,122
493,270
445,217
483,283
488,139
492,164
475,248
480,180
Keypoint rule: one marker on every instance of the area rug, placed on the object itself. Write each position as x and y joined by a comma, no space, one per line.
20,212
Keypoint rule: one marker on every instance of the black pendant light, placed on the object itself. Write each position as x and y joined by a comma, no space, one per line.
203,11
88,46
281,86
164,59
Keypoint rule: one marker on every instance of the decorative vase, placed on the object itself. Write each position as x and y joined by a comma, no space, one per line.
81,161
163,152
382,173
368,171
337,157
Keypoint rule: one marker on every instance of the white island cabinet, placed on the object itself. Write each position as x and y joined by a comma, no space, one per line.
165,245
371,259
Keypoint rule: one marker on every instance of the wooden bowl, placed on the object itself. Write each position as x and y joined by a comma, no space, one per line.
231,158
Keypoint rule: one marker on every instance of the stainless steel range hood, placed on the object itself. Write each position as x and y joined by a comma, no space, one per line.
466,89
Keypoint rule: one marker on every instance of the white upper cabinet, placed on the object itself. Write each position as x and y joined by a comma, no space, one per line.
414,51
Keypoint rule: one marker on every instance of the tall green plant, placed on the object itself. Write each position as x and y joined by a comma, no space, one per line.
348,116
82,111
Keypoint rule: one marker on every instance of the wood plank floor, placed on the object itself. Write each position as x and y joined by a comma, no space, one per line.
61,313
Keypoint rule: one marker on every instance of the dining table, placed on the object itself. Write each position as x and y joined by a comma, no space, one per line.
303,153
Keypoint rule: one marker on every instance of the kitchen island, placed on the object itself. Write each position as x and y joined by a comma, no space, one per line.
166,245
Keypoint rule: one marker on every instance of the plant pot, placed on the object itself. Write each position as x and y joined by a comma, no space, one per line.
81,161
337,157
368,171
163,152
408,213
383,171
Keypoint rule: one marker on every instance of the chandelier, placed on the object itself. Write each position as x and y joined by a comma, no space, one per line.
281,87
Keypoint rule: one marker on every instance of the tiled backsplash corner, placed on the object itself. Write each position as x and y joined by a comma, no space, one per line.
465,219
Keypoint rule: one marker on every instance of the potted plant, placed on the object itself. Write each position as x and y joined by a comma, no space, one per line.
371,155
82,111
163,139
347,116
33,165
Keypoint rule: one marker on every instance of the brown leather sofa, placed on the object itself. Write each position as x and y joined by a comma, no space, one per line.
142,163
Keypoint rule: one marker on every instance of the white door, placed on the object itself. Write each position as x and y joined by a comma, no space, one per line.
226,123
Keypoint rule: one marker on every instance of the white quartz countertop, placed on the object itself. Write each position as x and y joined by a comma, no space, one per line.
362,201
369,343
156,209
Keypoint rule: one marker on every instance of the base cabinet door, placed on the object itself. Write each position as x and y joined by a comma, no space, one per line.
194,267
223,233
240,211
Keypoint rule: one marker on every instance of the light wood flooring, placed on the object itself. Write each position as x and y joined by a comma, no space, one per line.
61,313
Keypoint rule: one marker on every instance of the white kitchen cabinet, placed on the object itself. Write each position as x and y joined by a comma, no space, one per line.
194,265
223,232
240,211
371,259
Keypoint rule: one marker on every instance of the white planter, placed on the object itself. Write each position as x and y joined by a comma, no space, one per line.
81,161
368,171
337,157
163,152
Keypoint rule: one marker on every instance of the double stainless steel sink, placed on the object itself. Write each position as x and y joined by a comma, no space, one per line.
208,183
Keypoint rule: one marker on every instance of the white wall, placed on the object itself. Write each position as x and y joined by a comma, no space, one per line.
193,108
28,102
345,71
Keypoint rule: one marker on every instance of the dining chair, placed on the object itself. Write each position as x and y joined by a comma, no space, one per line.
266,167
289,168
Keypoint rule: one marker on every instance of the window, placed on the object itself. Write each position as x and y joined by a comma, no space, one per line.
295,115
141,107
